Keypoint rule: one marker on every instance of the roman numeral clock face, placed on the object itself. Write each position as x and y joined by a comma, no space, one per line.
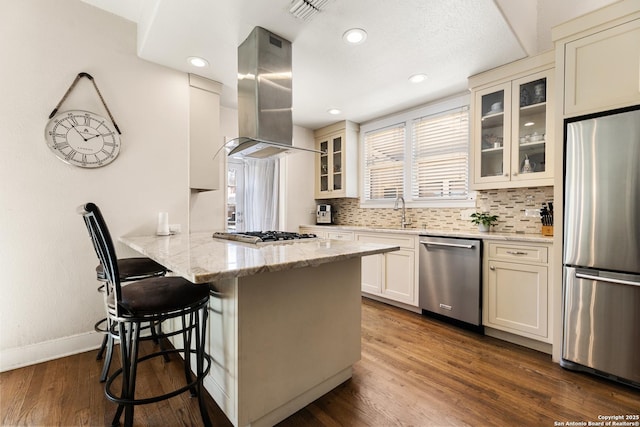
83,139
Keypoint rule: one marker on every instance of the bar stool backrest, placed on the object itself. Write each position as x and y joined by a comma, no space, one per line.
103,245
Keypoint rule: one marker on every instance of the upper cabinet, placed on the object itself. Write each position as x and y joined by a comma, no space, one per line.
204,134
337,167
512,114
601,56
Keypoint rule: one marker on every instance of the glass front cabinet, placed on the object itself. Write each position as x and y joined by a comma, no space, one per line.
512,131
336,167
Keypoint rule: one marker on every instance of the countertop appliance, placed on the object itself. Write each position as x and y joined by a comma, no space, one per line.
601,274
324,214
450,279
263,237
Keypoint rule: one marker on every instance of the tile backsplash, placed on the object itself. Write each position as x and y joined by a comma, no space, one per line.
508,204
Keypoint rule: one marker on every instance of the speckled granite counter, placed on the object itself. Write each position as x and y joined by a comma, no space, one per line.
537,238
200,258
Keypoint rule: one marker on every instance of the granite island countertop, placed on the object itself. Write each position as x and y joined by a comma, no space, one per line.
200,258
516,237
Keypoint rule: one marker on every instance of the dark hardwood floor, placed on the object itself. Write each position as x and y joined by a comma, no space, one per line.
415,371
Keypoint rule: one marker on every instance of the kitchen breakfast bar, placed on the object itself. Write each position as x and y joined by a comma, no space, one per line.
284,318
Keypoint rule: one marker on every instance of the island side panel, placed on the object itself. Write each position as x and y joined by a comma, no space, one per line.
298,336
222,345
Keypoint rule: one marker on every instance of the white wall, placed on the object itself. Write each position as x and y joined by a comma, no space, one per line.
532,20
554,12
297,183
48,297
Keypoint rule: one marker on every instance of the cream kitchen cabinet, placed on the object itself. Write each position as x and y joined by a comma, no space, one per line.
318,231
204,134
328,233
337,168
517,289
393,275
601,55
512,115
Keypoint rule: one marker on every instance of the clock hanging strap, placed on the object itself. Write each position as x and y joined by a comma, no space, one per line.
75,81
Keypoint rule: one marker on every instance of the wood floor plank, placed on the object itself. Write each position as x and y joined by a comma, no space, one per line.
414,371
13,392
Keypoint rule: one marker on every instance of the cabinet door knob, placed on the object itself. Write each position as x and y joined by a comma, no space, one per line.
492,268
506,174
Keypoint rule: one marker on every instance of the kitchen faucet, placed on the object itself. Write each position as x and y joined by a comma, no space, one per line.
403,220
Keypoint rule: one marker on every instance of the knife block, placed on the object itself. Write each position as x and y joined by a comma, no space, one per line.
547,230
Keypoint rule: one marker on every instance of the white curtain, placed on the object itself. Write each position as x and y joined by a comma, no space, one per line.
261,194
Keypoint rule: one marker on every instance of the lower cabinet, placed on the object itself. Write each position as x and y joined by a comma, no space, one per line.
392,275
318,231
340,235
516,291
324,232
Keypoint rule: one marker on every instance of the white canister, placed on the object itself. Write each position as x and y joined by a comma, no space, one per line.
163,224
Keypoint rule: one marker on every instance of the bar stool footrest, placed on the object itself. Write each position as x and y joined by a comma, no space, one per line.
120,401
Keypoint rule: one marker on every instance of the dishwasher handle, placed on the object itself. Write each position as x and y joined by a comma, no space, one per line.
449,245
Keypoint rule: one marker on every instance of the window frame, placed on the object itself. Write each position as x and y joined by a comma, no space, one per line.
408,117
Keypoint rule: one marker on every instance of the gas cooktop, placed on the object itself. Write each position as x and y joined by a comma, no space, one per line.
257,237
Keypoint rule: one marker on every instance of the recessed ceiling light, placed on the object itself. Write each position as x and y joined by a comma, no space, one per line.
418,78
355,36
196,61
529,124
334,111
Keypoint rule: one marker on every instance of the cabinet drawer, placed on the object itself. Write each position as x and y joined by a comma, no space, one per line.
408,242
340,235
499,251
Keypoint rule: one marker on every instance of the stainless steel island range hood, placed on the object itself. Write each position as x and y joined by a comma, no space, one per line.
264,97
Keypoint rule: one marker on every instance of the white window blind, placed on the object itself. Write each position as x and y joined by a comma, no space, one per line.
440,156
384,163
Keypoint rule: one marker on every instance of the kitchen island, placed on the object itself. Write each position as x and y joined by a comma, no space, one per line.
284,318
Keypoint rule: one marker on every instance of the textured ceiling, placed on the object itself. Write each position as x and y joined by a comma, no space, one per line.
448,40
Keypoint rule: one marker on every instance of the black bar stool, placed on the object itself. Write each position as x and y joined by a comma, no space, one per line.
150,300
131,269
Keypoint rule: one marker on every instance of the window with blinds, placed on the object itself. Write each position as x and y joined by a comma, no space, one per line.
421,155
440,156
384,163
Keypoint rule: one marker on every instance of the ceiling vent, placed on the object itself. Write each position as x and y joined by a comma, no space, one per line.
306,9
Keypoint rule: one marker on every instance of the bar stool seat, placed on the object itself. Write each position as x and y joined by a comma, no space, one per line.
158,295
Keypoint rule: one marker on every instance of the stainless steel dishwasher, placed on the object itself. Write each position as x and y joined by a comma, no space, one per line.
451,279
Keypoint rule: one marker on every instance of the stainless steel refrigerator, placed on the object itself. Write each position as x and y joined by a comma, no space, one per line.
601,281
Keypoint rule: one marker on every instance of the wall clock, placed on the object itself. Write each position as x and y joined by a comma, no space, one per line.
82,138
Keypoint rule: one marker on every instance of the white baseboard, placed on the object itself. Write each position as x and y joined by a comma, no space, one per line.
14,358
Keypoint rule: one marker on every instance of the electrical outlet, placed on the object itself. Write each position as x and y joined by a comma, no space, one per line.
532,212
466,214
